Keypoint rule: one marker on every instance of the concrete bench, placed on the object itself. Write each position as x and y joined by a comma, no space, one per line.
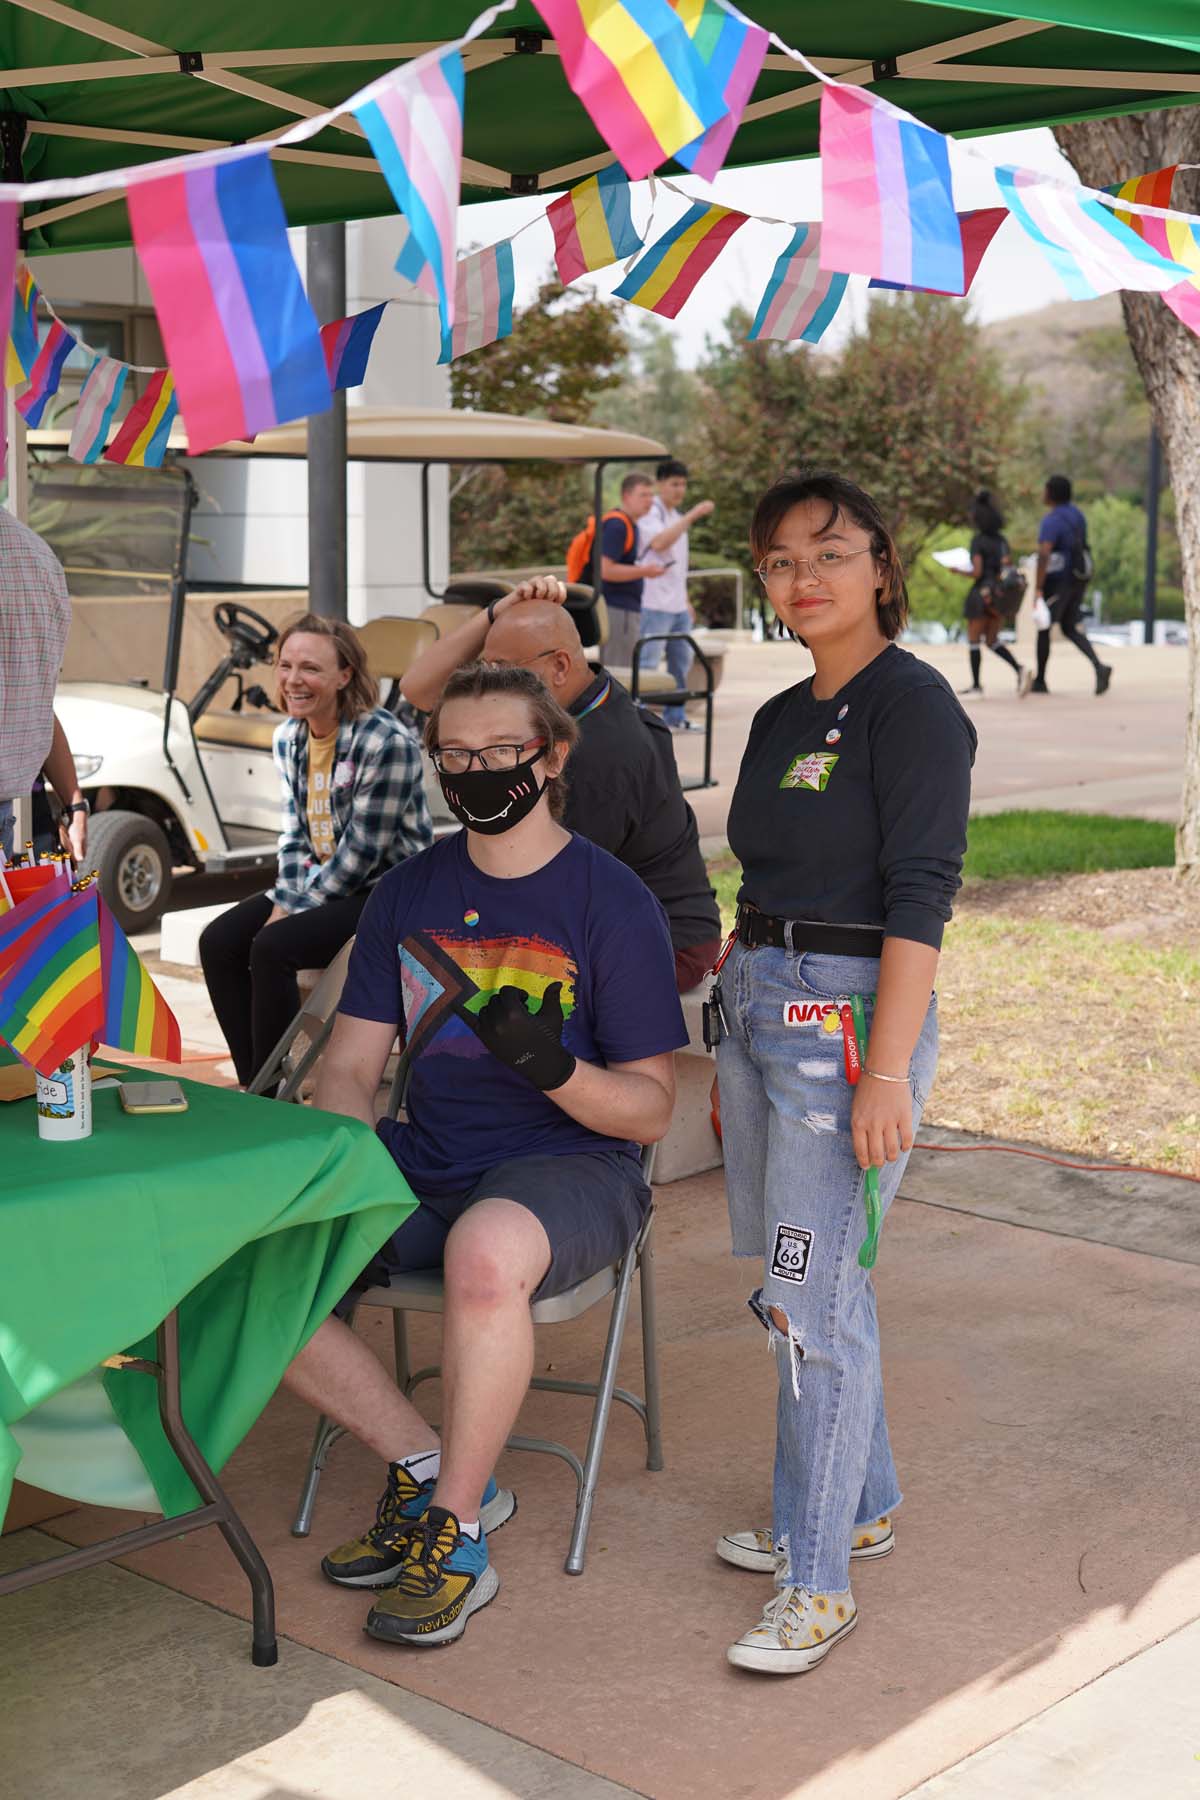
691,1145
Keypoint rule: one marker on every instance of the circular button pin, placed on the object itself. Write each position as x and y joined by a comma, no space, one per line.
843,712
834,736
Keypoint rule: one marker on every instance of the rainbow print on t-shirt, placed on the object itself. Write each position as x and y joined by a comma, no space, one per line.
446,977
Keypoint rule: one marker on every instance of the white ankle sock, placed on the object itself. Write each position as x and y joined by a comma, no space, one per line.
424,1465
469,1528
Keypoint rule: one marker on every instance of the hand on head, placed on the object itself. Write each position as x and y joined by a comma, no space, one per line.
538,587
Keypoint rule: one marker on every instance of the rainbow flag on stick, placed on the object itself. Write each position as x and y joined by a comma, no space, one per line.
98,402
51,1000
347,346
886,196
732,49
483,301
593,225
142,439
801,298
22,348
1087,245
638,73
662,279
978,229
240,335
1175,238
46,375
136,1017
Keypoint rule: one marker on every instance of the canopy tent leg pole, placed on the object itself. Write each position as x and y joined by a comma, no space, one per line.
326,252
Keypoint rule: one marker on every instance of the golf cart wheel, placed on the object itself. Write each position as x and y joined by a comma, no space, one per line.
133,860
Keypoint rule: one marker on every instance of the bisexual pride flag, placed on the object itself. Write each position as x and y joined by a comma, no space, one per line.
732,49
240,335
46,374
593,225
483,301
802,297
347,346
662,279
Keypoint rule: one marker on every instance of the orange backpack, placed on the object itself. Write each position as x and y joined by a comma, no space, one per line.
579,551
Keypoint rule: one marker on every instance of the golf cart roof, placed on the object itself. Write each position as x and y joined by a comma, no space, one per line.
428,434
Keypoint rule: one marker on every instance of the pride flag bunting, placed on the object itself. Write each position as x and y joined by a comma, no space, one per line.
978,229
51,999
662,279
414,124
1175,238
142,439
240,335
9,210
347,346
483,301
46,373
732,49
136,1017
1091,250
801,298
886,194
593,225
22,347
103,387
638,73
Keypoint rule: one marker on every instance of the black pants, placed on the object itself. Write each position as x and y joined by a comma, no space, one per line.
1066,604
250,968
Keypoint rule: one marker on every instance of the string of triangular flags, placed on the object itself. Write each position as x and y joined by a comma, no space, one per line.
660,79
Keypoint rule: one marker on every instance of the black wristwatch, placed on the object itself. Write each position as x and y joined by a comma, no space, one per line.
83,806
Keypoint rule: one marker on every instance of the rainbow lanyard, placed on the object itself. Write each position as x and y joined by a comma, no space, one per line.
601,697
854,1042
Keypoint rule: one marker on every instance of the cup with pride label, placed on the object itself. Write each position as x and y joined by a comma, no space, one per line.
64,1099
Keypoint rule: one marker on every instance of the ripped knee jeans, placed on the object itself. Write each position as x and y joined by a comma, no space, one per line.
796,1203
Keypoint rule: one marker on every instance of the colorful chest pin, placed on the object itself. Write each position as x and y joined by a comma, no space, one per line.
833,736
471,917
843,711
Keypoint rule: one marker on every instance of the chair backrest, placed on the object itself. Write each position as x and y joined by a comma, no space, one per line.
446,619
393,645
475,590
315,1020
601,610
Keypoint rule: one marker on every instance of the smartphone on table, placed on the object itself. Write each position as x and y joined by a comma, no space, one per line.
153,1097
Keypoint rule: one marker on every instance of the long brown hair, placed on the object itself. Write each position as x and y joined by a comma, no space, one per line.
361,692
844,499
478,680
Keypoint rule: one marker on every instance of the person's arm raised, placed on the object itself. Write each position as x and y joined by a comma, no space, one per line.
423,684
670,534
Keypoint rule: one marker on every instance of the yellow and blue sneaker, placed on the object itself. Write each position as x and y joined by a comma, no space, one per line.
446,1577
376,1558
755,1550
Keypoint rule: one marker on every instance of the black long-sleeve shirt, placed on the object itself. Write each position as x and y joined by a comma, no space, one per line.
853,810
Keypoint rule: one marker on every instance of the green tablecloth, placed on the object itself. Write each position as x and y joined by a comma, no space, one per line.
252,1217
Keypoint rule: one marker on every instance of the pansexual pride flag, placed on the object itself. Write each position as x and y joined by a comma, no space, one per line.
731,48
46,373
51,998
103,387
240,335
638,73
414,124
347,346
593,225
136,1017
483,301
1087,245
663,278
1175,238
886,195
801,297
142,439
22,348
978,229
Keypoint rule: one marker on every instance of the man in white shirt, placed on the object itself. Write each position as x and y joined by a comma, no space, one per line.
663,533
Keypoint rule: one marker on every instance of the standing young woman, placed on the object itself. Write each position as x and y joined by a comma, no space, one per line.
849,820
990,555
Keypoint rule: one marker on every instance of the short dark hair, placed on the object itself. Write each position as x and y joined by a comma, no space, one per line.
844,498
475,681
1058,489
635,478
672,466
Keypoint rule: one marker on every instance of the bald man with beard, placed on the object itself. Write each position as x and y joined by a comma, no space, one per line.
623,787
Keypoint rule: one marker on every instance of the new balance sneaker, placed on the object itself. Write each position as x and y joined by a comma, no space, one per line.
796,1632
375,1559
755,1550
445,1578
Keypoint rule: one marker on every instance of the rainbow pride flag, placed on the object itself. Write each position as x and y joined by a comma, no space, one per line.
347,346
240,335
978,229
414,124
593,225
22,347
46,373
103,387
1086,244
801,297
1175,238
142,439
136,1017
638,73
51,998
887,200
662,279
732,49
483,301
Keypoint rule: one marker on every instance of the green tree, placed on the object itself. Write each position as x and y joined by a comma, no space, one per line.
656,396
1117,535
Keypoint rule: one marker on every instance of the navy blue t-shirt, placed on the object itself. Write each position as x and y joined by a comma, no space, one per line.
626,596
1064,528
438,937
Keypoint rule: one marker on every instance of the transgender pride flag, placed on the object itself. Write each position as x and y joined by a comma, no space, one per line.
483,301
1088,246
801,297
98,402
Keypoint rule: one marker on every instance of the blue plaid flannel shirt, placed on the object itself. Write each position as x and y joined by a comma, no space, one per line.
380,816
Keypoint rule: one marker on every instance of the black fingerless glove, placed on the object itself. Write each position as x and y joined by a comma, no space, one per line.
528,1043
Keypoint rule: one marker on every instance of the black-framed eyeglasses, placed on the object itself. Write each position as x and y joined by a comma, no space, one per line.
781,571
496,758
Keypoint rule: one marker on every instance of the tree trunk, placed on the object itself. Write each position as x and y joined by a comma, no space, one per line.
1104,151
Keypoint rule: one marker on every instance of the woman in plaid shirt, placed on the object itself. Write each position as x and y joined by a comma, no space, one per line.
353,806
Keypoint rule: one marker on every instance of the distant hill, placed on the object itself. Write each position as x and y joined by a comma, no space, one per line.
1034,344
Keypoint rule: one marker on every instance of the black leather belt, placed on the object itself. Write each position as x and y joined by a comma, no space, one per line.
797,935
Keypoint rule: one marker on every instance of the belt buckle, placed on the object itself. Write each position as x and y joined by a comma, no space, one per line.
789,936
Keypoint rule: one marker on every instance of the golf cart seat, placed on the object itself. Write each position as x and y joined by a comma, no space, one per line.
393,645
475,590
446,619
243,731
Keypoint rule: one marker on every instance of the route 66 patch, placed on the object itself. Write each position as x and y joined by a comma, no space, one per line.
793,1247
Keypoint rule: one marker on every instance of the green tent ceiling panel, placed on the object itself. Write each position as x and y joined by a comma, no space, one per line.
99,86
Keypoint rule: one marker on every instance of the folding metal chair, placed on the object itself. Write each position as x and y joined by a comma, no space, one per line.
424,1292
315,1020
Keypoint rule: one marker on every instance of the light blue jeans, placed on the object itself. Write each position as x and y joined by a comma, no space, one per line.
679,656
796,1200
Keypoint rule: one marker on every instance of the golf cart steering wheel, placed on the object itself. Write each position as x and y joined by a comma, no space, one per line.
245,629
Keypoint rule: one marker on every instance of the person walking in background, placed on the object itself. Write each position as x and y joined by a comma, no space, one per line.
35,617
1063,571
621,574
665,607
991,559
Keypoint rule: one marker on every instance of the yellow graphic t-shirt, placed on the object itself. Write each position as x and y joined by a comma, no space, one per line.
320,786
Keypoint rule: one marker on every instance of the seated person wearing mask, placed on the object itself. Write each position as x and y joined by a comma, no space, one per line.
530,977
623,788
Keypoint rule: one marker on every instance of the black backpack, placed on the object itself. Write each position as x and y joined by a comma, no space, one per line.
1082,566
1006,589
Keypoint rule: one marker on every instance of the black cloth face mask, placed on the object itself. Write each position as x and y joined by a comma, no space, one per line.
491,801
